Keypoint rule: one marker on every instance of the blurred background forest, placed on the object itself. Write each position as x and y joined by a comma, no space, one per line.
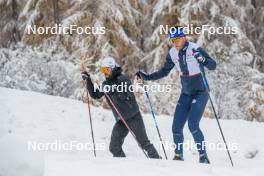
51,63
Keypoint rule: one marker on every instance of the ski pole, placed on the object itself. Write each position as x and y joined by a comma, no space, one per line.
156,124
124,122
216,117
91,124
155,121
221,131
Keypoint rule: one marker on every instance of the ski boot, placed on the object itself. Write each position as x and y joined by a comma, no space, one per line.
178,157
204,159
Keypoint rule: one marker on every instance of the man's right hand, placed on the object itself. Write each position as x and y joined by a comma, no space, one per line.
85,75
141,75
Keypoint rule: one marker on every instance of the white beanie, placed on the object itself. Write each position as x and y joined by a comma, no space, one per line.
109,62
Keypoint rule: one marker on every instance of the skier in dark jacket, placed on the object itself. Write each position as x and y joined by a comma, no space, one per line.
190,60
126,104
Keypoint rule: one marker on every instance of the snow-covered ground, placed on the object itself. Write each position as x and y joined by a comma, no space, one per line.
33,117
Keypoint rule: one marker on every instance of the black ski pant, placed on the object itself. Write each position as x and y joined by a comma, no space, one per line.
120,131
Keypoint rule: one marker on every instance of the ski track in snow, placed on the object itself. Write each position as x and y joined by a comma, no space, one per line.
44,118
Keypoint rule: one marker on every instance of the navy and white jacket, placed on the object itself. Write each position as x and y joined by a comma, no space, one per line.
188,66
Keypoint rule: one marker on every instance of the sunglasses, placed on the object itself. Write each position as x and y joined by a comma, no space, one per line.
175,40
105,70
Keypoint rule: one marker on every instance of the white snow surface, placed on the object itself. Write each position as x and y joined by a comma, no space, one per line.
28,116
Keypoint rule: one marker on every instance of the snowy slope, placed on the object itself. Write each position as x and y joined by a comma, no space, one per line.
28,116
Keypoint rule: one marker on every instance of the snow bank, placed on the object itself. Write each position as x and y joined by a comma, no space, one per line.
46,118
17,160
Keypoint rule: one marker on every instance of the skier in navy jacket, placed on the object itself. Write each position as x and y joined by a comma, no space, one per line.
189,59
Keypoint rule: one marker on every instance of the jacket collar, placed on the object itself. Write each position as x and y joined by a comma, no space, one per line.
117,71
185,46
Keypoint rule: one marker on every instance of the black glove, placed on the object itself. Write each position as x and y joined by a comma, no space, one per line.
85,75
141,75
198,56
